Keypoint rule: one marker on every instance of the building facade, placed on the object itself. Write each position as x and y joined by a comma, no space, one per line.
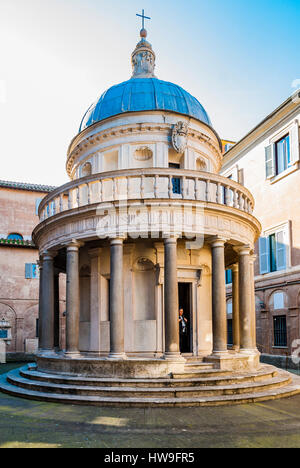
19,271
266,161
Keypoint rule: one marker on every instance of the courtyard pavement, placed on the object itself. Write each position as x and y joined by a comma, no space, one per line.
25,423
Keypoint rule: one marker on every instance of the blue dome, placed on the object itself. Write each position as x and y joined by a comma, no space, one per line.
144,94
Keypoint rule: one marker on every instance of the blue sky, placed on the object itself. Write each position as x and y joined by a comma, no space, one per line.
238,58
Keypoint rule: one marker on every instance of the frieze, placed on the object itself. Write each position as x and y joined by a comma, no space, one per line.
105,135
145,222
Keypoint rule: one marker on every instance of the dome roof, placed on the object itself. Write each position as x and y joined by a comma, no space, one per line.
144,94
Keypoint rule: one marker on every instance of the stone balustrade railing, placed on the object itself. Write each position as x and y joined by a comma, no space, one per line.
144,184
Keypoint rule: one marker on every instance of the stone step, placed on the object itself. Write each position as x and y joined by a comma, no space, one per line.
126,392
267,372
289,390
194,373
198,366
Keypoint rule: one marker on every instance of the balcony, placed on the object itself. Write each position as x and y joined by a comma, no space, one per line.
146,184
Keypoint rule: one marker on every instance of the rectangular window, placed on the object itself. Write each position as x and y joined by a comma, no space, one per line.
31,271
176,180
229,332
3,334
283,154
280,331
272,252
228,276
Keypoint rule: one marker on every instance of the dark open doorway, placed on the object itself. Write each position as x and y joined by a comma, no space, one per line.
184,297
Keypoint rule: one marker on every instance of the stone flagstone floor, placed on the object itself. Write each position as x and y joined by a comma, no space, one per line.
26,423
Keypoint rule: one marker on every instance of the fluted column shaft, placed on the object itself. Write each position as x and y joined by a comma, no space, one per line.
116,300
219,313
172,349
235,307
72,299
47,303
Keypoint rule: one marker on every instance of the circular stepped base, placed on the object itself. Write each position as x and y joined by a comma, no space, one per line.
195,387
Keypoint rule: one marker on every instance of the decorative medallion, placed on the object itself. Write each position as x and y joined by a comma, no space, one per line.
179,136
143,154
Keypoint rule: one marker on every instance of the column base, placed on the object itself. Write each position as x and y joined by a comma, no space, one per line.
117,357
249,351
220,353
72,354
46,352
173,357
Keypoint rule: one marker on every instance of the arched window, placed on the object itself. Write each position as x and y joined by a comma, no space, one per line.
15,236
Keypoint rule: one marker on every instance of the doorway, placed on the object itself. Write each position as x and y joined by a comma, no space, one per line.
184,300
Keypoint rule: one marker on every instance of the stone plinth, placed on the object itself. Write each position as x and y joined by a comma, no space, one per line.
102,367
235,361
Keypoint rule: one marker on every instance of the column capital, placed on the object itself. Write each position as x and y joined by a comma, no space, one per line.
117,241
171,240
48,255
73,245
235,268
217,241
243,249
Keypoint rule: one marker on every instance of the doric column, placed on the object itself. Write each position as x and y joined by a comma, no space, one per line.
116,300
245,300
95,300
172,350
253,307
235,307
219,313
40,263
47,303
56,310
72,299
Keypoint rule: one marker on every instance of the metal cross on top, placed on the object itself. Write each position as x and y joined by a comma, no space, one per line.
144,17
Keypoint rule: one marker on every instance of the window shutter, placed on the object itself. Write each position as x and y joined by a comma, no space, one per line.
294,142
28,271
270,161
34,269
264,255
280,251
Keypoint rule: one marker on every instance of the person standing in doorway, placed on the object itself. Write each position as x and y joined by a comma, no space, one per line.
183,331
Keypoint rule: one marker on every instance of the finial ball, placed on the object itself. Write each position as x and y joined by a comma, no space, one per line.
143,33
